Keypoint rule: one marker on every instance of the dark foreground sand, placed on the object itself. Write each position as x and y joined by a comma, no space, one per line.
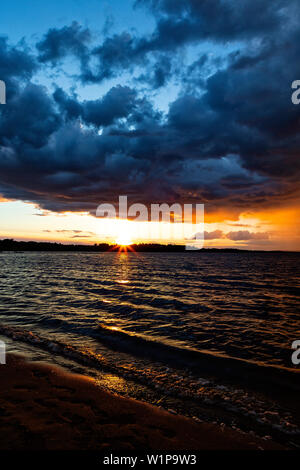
44,408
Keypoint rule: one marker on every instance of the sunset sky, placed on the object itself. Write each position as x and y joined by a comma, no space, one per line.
166,101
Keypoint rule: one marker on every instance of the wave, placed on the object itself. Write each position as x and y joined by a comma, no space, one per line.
208,363
84,357
211,363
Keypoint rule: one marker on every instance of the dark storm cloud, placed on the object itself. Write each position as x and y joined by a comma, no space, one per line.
118,52
230,138
28,120
180,22
51,160
58,43
259,108
16,63
118,103
158,73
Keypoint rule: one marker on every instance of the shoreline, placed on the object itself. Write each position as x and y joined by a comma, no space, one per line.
44,407
32,246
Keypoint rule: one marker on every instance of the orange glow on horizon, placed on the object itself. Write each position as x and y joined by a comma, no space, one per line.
280,223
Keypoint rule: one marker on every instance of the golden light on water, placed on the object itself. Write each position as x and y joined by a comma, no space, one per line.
114,328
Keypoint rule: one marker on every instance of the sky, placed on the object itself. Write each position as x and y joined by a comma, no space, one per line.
165,101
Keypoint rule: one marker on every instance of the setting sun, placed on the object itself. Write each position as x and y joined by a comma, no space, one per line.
123,234
124,240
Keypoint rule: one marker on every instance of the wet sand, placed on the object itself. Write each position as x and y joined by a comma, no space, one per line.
42,407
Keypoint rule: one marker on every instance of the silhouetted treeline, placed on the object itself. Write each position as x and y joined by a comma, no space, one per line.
156,247
12,245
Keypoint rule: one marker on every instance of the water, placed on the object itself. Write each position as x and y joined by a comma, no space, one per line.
181,324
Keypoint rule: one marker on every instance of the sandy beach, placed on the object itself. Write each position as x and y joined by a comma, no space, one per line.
43,407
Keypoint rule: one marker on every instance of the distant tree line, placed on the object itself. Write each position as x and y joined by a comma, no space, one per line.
13,245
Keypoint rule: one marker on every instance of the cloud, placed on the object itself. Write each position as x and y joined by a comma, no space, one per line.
215,235
242,235
180,22
246,235
158,72
28,120
59,43
81,236
118,103
74,233
118,52
229,139
177,24
16,64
